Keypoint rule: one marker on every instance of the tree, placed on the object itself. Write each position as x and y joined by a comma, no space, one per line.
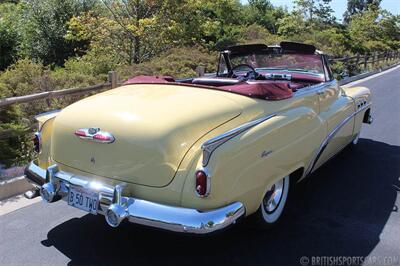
359,6
213,24
374,29
260,12
9,36
136,31
315,11
44,28
292,25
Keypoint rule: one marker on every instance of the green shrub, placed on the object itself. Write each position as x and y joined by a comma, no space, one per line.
14,149
27,77
177,62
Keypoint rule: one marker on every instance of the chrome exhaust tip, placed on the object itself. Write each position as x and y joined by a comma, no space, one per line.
115,215
48,193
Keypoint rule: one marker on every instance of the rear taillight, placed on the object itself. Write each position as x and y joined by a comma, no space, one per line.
36,142
80,133
202,184
102,137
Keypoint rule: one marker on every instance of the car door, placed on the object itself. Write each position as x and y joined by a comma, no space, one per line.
335,109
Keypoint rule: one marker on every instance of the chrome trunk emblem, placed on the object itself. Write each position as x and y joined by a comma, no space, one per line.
94,134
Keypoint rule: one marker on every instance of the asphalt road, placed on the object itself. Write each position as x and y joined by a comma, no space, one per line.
348,208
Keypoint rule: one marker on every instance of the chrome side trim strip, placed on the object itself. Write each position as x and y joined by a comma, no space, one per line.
314,88
329,138
212,144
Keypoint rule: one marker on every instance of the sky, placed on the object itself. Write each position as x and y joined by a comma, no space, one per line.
339,6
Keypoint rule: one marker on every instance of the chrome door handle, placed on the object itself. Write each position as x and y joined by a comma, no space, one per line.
320,92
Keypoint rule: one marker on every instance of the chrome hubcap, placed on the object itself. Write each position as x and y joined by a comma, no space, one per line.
273,196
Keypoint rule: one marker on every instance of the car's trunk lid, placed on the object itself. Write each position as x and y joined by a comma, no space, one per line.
153,125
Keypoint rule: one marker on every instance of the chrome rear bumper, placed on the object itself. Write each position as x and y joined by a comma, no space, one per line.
54,185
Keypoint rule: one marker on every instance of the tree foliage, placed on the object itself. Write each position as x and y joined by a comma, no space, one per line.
9,35
374,30
359,6
43,29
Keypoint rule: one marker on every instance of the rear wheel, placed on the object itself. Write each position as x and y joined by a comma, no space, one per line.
274,203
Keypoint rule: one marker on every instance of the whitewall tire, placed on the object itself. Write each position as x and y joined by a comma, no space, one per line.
274,203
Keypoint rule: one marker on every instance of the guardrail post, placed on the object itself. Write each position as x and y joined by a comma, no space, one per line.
200,70
365,61
356,68
357,59
112,79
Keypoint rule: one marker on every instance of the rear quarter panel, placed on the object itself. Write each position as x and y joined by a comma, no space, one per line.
243,168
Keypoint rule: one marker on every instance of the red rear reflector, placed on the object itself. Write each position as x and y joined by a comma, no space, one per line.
80,133
201,183
101,137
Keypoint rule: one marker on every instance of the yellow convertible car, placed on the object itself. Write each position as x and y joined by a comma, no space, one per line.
195,155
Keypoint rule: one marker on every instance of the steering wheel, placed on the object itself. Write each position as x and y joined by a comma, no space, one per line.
240,67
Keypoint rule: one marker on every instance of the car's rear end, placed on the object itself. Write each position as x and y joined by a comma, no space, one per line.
124,154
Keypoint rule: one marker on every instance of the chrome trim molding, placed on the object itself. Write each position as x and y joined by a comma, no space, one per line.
116,207
55,112
325,143
212,144
47,113
315,88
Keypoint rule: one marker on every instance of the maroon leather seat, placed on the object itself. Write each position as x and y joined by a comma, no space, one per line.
267,90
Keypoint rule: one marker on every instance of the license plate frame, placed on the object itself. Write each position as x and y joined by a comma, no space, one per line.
83,199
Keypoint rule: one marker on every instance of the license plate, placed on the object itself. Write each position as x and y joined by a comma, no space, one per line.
82,199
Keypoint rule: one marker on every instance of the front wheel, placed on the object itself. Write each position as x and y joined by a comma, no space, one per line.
354,142
274,203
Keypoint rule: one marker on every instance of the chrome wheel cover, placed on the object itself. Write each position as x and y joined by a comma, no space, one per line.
273,196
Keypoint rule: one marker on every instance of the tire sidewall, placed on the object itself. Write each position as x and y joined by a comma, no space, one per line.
274,217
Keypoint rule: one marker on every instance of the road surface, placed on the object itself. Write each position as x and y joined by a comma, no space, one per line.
348,208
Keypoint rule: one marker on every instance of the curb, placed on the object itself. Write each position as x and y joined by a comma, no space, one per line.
13,187
365,75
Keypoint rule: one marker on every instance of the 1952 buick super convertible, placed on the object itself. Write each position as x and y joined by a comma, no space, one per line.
195,155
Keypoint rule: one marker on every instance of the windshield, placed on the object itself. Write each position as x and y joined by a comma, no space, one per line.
270,62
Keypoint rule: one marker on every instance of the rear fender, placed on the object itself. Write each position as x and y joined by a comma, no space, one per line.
242,168
45,125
